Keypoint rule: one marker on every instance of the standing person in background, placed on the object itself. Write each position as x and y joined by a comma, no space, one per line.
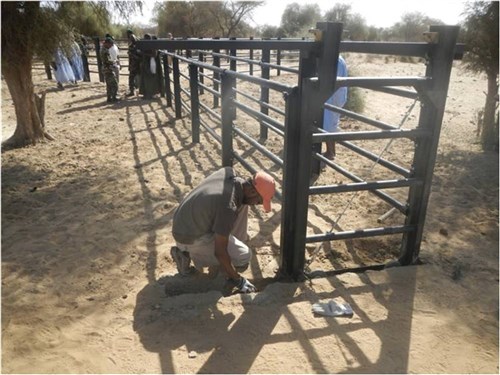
150,79
331,119
115,56
109,71
134,61
75,60
62,68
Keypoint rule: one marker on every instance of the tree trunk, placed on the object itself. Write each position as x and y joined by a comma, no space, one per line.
489,135
29,108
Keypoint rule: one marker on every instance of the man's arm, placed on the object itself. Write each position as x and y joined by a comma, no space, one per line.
223,257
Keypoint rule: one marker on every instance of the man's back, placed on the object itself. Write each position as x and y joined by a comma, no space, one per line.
212,207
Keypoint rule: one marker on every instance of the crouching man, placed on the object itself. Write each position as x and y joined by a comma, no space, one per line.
210,224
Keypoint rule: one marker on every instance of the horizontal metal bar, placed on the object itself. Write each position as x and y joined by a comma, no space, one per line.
377,134
383,162
397,91
185,92
267,105
357,116
259,147
382,195
260,81
210,111
387,48
186,107
212,132
273,128
184,75
209,89
236,44
363,186
315,274
369,82
258,115
359,233
206,76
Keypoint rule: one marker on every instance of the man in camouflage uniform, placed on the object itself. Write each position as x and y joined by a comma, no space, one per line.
134,61
109,72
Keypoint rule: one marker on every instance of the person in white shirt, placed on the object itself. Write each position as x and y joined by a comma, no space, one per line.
114,52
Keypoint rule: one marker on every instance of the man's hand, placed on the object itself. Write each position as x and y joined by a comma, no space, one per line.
239,285
245,286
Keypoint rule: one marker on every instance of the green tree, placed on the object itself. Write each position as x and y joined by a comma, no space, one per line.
29,29
354,24
269,31
297,19
185,18
481,38
204,18
230,15
412,26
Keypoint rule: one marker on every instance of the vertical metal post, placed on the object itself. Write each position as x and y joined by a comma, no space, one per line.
296,177
166,74
195,104
264,91
177,88
250,66
228,112
278,59
201,78
216,76
431,117
98,56
331,34
48,71
233,65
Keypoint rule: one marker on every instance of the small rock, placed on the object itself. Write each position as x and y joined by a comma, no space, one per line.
121,119
192,354
124,296
443,232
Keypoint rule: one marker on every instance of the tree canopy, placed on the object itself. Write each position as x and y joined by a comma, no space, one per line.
480,34
296,19
204,18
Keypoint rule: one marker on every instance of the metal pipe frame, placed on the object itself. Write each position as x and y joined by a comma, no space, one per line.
275,159
212,132
359,233
374,157
382,195
356,116
363,186
376,134
304,112
258,115
271,107
211,112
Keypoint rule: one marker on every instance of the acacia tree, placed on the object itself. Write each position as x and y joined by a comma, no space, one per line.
229,15
203,18
481,39
354,24
29,29
412,26
298,19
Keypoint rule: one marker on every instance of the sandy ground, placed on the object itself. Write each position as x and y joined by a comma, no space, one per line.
88,285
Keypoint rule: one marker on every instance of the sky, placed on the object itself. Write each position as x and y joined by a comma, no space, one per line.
379,13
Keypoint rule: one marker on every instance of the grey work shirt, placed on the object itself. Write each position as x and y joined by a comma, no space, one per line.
212,207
